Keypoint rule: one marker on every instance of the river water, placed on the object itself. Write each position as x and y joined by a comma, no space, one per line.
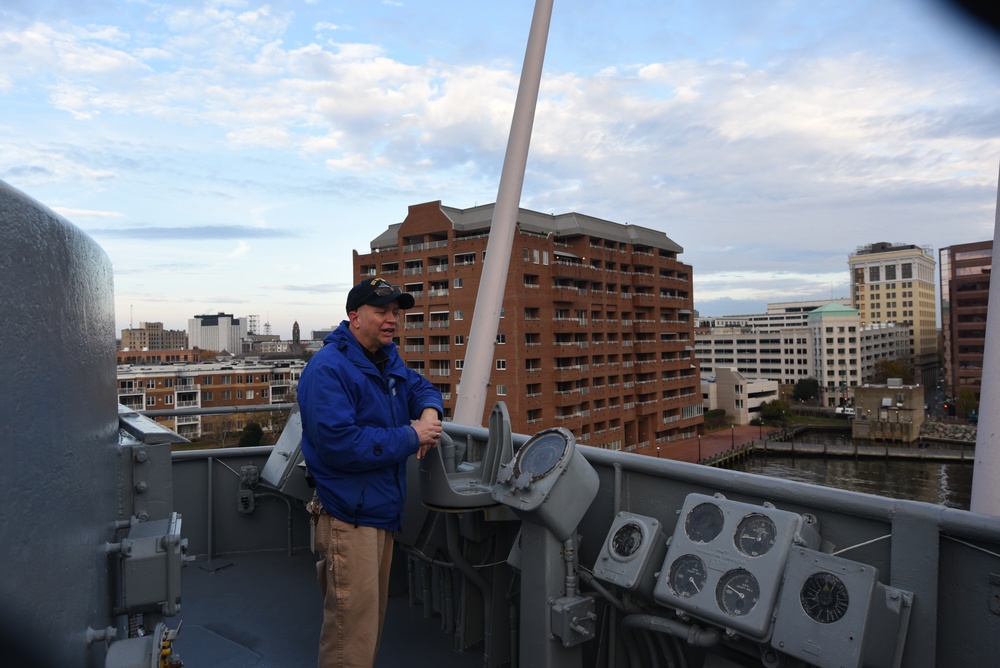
945,484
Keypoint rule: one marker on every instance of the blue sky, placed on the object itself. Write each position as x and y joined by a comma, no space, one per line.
230,154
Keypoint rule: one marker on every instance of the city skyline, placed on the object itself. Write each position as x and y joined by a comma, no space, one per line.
228,155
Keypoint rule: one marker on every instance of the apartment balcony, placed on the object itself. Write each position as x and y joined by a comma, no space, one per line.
126,391
441,372
644,299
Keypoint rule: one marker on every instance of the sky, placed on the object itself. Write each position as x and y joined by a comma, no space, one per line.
229,155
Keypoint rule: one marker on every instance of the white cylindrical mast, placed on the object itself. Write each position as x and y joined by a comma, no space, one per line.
471,400
986,474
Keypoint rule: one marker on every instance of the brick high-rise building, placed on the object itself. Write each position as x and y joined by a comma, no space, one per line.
596,332
895,283
965,292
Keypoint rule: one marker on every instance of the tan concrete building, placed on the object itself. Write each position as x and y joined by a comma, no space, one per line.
896,283
891,412
596,331
736,394
152,336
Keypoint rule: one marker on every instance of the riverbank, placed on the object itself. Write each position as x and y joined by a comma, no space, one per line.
927,451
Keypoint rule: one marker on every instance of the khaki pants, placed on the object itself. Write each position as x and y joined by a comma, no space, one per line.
353,575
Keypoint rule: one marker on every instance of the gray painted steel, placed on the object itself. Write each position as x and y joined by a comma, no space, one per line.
60,433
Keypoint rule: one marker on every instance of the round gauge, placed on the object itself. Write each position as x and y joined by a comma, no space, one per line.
539,456
626,540
824,597
738,592
704,522
755,535
687,576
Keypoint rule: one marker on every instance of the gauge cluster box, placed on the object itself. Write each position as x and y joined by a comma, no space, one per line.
548,482
823,609
632,553
725,562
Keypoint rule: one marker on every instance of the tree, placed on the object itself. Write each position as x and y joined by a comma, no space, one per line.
967,403
806,389
252,435
774,411
886,369
208,355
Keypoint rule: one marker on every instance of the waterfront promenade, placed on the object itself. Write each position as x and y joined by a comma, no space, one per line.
713,443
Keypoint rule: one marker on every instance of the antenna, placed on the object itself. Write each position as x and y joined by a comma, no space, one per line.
130,316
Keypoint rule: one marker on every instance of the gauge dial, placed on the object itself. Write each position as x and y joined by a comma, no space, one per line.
704,522
687,576
755,535
627,540
824,597
738,592
541,455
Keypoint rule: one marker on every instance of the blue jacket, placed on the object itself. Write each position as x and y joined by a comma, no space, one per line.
356,433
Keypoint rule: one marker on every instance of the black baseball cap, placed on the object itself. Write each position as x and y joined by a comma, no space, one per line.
377,292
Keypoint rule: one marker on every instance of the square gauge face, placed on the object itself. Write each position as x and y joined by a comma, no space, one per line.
635,544
823,610
725,562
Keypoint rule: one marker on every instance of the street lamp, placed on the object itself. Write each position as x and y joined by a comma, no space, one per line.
699,447
732,433
657,452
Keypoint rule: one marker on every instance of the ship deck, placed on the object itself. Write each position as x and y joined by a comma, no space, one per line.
263,610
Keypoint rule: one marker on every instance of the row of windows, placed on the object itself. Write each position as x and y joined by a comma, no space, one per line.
226,395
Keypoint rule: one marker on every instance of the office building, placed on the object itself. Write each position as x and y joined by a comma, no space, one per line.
896,283
217,332
152,336
739,396
595,334
778,315
832,347
965,285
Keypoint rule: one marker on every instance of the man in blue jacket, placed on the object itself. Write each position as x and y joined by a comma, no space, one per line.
363,414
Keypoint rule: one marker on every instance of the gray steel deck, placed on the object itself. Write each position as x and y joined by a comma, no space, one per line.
263,610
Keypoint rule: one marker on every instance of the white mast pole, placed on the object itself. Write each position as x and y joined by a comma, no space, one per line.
986,474
471,400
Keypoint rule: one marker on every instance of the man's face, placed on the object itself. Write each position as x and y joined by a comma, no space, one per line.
374,326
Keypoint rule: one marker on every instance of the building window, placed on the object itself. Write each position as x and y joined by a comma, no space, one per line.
169,400
501,390
239,394
906,269
458,282
874,274
227,395
501,365
208,396
890,272
207,380
150,384
459,314
459,364
460,339
249,394
501,339
150,400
